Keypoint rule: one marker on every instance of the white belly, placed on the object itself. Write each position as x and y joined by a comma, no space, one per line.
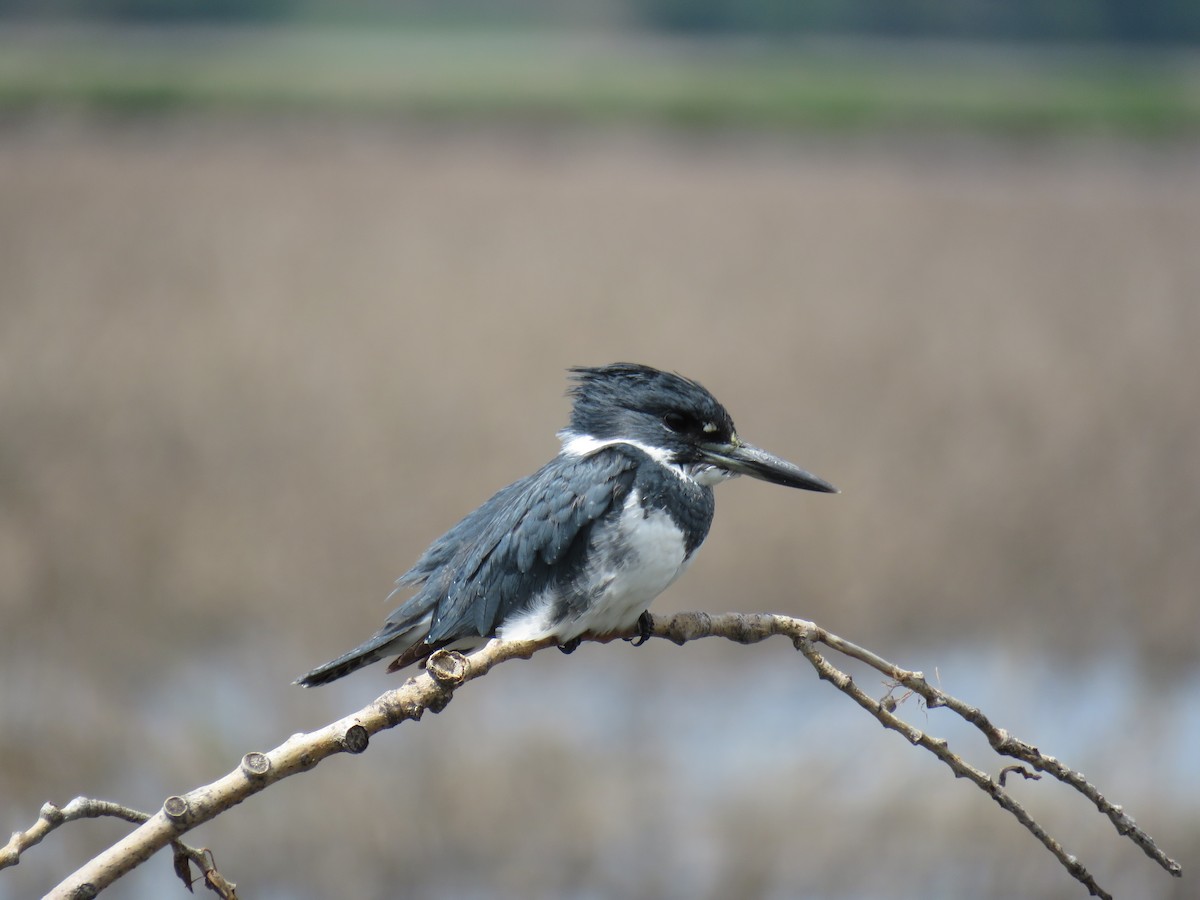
630,563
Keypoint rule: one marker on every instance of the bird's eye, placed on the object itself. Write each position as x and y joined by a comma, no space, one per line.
680,423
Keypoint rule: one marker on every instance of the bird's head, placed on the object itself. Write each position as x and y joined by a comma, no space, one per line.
674,419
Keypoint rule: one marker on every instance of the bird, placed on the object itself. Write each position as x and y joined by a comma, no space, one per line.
583,545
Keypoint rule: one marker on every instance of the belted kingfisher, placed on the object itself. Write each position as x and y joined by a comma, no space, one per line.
583,545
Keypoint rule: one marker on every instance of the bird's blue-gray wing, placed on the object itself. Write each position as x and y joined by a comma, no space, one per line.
496,559
513,547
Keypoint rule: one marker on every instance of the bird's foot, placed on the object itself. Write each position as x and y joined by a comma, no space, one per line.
645,628
572,645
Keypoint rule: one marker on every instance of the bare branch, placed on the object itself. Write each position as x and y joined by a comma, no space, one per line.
430,690
447,670
940,748
1007,745
52,816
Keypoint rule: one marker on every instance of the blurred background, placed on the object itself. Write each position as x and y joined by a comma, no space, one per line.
288,286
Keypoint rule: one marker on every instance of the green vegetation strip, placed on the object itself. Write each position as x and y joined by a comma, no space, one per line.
570,78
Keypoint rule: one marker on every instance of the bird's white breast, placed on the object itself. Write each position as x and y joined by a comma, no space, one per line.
631,560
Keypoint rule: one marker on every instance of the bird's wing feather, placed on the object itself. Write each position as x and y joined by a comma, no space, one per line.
440,553
507,551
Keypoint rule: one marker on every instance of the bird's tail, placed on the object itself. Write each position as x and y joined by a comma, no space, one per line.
386,641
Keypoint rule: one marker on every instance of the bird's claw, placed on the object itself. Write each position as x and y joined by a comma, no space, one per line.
645,628
570,646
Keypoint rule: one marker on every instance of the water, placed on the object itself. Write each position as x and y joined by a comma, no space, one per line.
664,761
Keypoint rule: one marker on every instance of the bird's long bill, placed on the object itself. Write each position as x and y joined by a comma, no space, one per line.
746,459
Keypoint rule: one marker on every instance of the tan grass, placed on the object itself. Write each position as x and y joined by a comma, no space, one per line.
248,371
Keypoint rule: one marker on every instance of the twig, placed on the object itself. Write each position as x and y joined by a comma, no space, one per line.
51,817
447,670
1020,770
1007,745
940,748
751,628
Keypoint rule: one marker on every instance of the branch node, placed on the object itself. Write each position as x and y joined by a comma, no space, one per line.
355,739
52,814
410,709
750,630
177,808
682,627
448,668
888,701
255,765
